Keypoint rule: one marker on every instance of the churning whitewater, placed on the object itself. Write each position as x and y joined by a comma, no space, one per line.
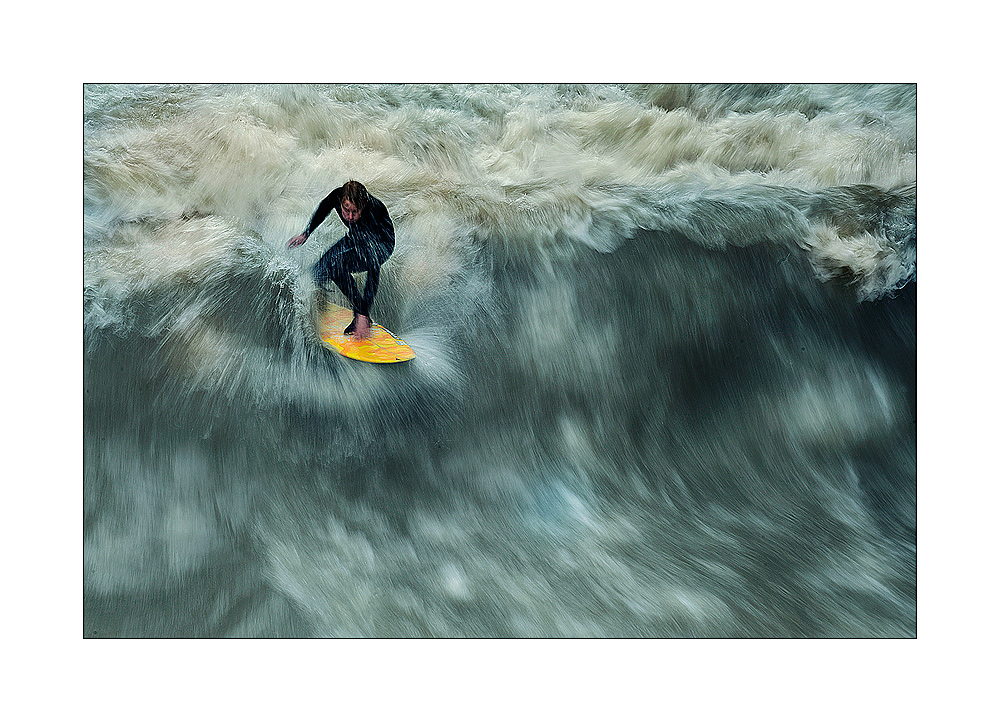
665,375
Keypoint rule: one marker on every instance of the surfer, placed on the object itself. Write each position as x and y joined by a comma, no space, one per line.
368,244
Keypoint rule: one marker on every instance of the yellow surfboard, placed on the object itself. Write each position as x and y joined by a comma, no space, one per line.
382,348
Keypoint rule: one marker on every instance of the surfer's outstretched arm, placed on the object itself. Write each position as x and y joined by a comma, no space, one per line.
325,206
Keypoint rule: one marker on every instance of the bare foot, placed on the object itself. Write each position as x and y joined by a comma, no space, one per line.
362,328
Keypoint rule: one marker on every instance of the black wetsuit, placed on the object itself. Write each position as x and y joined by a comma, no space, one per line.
368,244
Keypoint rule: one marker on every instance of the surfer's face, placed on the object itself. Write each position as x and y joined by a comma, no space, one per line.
350,211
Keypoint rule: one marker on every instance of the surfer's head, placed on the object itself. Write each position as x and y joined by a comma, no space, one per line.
353,201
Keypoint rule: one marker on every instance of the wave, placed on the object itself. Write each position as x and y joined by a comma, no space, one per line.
665,374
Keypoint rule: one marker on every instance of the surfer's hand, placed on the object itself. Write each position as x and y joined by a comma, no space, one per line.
297,241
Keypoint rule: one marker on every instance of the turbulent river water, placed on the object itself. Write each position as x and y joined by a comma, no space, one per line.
665,381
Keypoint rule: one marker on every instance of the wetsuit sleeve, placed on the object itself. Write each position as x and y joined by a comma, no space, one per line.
380,231
380,239
384,223
325,206
371,288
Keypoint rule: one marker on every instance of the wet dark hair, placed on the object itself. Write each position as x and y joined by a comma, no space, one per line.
355,193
